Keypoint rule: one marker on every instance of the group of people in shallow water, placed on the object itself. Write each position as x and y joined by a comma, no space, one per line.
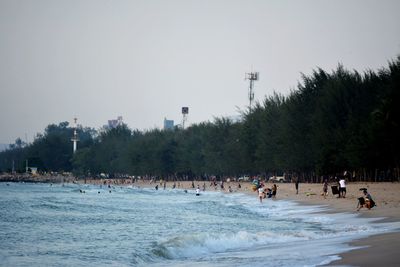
197,189
264,192
257,186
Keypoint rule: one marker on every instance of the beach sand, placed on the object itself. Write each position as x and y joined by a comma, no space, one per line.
378,250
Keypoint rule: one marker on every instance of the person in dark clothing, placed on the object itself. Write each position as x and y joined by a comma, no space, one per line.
366,201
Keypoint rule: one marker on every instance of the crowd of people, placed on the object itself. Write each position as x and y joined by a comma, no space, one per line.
338,187
264,190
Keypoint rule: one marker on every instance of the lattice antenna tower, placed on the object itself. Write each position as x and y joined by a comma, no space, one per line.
252,76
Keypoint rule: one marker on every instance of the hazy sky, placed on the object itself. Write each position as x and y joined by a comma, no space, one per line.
144,60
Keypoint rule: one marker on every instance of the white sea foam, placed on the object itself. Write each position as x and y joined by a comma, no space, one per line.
205,243
317,237
135,226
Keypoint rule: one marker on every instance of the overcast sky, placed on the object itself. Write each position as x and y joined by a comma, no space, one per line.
144,60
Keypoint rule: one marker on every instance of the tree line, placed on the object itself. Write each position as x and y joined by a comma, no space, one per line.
331,123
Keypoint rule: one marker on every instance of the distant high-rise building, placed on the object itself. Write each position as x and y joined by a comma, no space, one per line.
115,123
168,124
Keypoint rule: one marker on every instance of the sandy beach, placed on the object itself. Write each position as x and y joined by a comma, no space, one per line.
378,250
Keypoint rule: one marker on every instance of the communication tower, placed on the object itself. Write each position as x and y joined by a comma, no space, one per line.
75,138
185,112
252,76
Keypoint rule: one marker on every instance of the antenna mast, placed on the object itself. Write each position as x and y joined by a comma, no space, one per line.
252,76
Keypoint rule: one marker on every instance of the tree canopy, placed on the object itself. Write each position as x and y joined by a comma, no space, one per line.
332,122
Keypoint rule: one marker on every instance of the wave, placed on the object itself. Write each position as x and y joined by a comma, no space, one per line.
197,245
288,225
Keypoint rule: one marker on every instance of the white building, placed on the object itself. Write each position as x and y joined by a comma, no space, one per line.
115,123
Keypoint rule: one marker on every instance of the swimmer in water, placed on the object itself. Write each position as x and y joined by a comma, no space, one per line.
198,191
261,193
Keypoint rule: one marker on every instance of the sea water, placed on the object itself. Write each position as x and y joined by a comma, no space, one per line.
55,225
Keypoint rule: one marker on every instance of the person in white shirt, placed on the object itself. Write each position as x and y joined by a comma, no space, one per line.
342,187
198,191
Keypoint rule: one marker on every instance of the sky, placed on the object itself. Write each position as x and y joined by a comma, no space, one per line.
145,60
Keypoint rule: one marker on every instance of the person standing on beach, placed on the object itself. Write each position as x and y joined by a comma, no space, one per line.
325,188
296,184
274,189
342,187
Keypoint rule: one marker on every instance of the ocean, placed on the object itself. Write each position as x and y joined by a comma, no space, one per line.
55,225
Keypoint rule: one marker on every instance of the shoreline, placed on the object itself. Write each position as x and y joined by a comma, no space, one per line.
376,250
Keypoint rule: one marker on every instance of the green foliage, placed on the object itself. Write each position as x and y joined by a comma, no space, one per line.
335,121
108,154
51,151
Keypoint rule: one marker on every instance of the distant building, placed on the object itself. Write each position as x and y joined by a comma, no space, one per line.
168,124
115,123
